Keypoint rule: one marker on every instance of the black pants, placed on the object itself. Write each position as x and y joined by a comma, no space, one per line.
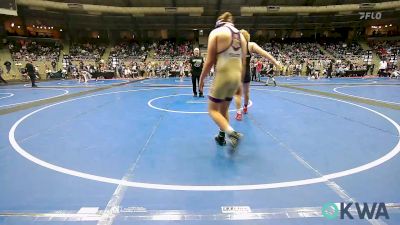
195,82
381,72
329,74
253,75
33,77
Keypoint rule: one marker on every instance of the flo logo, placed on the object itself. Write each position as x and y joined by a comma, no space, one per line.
370,15
364,211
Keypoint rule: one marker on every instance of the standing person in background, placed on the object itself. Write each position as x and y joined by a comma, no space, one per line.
330,69
318,70
382,67
30,69
311,75
1,78
298,69
181,71
53,65
253,67
270,74
259,68
227,49
196,62
308,69
290,69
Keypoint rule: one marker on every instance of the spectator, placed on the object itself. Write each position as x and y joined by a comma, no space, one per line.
30,69
8,66
330,69
88,51
53,65
34,50
1,78
382,67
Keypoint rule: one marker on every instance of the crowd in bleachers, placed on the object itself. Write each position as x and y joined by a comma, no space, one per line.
168,50
152,69
302,51
309,59
385,49
170,58
344,51
87,51
294,52
24,50
130,51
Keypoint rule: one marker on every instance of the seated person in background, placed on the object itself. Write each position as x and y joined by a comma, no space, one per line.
395,73
340,71
85,75
47,71
74,72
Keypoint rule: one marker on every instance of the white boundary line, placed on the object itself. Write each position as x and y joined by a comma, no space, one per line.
112,209
188,82
79,85
8,95
19,103
149,103
319,81
324,178
356,96
101,81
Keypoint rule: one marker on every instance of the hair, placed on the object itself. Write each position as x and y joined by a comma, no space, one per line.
226,17
245,34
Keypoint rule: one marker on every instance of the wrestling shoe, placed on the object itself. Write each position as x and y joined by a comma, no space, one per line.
234,138
245,109
220,140
239,116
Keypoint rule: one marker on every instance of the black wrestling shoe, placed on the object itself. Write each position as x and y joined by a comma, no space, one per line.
194,94
201,95
220,140
234,138
275,83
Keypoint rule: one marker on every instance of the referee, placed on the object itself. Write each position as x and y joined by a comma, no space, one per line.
30,69
196,63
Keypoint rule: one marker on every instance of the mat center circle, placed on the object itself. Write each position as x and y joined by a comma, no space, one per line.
183,103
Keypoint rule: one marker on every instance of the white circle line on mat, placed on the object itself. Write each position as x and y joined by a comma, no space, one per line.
356,96
150,104
286,184
8,95
19,103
